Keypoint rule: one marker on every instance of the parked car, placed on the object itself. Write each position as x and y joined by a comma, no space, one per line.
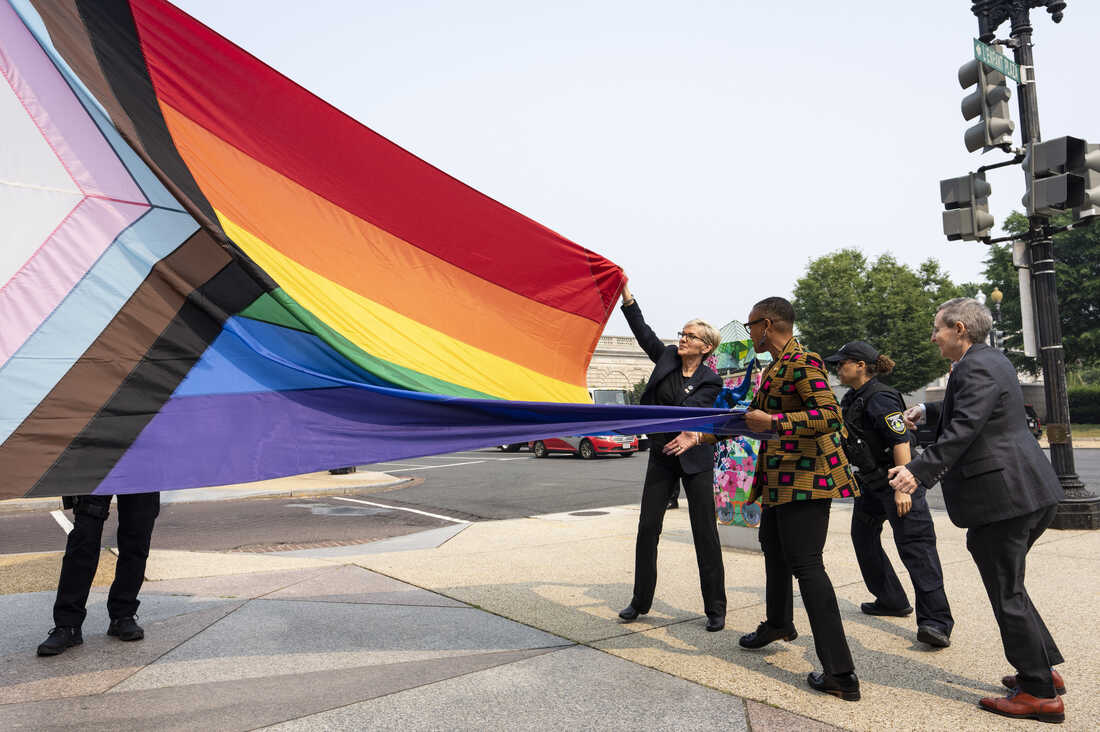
926,433
587,446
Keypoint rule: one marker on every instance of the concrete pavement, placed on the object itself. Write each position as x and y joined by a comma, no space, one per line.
512,625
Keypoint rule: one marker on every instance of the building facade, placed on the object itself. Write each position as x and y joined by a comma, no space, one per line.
619,363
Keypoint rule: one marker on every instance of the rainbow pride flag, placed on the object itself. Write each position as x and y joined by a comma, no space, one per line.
209,275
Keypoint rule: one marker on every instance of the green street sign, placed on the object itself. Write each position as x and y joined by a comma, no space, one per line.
996,60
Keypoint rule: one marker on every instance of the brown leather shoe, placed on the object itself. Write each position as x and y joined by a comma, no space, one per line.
1010,682
1021,705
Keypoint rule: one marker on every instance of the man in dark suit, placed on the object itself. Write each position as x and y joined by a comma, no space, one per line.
681,379
997,484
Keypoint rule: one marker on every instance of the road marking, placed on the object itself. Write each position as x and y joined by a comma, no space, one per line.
430,467
62,521
452,456
400,508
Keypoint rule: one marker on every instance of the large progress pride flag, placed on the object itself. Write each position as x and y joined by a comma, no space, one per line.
209,275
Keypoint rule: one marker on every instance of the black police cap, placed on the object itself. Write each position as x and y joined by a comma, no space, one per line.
854,351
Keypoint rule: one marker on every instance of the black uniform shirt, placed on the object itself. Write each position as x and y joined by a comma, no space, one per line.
668,394
882,414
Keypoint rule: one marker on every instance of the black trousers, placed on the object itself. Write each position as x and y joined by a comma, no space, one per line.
136,515
662,478
792,536
915,538
1000,551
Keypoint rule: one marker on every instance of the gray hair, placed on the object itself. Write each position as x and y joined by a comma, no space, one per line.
710,334
971,313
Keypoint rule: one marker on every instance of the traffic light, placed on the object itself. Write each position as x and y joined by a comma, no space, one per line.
989,101
966,201
1063,174
1090,173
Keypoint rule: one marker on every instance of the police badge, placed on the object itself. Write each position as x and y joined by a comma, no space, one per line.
895,422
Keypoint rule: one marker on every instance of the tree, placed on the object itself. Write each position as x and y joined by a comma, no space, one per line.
634,396
1077,269
843,297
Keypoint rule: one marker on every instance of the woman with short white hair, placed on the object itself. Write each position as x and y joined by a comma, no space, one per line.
679,378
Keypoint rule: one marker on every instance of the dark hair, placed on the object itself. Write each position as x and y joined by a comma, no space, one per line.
776,309
882,366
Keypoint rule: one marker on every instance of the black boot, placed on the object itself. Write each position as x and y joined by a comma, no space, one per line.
60,638
126,629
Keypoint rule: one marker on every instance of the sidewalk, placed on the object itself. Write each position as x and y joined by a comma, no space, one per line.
513,625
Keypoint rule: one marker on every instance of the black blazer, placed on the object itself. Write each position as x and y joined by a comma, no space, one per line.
699,391
990,465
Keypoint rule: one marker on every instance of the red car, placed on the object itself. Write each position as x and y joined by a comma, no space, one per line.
587,446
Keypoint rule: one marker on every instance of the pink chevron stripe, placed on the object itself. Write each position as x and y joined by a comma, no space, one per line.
64,123
58,265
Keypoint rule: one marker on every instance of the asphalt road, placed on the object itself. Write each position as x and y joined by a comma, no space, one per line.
1087,464
475,485
488,484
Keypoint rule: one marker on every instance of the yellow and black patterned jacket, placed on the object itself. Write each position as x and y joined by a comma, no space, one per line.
805,461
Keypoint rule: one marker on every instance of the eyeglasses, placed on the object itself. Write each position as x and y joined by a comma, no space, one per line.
751,323
690,336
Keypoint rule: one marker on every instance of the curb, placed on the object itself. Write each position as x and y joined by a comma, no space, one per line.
39,505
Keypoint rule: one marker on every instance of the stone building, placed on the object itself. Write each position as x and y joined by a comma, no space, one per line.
619,363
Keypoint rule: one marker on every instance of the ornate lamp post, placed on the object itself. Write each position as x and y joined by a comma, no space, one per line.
995,297
1080,509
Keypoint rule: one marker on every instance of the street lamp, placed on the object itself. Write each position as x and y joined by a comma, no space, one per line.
996,336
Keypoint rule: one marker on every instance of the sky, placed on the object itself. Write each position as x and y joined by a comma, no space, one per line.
710,149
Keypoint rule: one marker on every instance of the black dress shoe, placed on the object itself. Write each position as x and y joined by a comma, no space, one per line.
673,504
765,634
715,623
126,629
846,686
59,639
873,608
630,613
933,636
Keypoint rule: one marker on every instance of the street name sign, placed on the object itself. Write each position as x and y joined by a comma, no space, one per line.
996,60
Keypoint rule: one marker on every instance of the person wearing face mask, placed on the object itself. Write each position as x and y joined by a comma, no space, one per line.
877,441
679,378
1000,487
799,470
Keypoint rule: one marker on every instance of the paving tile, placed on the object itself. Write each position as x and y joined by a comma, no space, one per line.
166,564
241,704
764,718
352,584
574,688
246,586
268,637
102,662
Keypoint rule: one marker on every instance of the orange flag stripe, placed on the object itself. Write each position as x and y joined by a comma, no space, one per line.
335,244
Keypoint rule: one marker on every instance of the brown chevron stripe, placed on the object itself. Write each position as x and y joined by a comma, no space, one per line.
74,403
99,41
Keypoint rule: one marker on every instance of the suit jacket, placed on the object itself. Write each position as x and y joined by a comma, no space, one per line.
806,460
700,390
989,464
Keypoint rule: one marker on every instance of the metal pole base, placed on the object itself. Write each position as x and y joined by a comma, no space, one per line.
1080,509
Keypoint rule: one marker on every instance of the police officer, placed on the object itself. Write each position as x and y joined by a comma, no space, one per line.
877,441
136,514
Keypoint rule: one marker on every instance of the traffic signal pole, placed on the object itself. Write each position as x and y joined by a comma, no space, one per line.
1080,509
